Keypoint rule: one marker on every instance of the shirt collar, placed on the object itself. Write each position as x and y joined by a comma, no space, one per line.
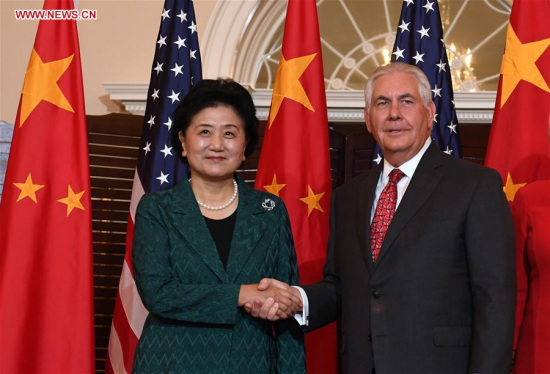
409,167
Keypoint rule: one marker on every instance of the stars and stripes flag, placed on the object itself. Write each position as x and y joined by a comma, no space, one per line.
46,284
419,41
295,161
176,67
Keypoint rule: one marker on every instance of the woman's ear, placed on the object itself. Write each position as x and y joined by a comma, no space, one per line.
182,141
245,146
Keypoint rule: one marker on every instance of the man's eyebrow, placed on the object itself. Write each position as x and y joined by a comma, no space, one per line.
400,97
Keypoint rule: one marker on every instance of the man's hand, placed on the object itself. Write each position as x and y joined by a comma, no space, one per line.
275,308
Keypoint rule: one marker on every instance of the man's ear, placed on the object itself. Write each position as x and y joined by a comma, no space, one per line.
431,113
367,121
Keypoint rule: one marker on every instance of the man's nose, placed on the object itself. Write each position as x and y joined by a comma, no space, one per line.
395,111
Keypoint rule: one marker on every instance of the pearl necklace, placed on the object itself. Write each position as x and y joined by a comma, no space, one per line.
225,205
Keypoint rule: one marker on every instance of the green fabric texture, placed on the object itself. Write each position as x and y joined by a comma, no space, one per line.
194,325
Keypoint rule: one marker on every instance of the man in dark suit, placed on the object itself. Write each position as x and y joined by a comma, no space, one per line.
430,290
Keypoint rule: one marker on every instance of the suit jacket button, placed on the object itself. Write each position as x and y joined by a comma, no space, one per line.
376,294
369,338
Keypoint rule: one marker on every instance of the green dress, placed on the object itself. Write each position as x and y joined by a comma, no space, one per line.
194,325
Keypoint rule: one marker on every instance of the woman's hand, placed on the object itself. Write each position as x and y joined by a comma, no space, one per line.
276,299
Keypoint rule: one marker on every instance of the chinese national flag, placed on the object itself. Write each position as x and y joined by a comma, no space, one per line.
295,161
519,148
46,285
519,142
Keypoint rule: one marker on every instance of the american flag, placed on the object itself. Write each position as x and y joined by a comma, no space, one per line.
419,41
176,67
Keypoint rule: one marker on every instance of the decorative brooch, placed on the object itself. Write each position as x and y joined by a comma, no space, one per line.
268,204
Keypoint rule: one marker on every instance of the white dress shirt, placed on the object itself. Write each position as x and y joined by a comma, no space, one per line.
408,168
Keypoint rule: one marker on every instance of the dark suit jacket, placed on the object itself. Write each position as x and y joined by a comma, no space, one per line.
194,325
441,297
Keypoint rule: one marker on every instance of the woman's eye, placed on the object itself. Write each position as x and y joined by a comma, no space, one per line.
229,134
204,132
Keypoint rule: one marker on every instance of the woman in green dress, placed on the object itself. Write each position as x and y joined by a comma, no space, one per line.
201,247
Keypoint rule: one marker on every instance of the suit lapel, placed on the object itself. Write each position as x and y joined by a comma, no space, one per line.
422,185
249,230
366,194
190,223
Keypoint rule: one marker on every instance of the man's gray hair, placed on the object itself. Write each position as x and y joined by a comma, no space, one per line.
395,67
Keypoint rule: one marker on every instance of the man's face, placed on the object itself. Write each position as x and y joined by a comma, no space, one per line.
397,118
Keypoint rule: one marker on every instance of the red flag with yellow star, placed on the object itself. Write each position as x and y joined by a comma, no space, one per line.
295,161
519,142
46,284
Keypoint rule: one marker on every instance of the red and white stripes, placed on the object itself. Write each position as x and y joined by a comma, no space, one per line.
130,314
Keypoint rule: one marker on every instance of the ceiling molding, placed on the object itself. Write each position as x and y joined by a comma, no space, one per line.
343,106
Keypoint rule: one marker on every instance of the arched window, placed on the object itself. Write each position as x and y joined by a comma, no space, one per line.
243,41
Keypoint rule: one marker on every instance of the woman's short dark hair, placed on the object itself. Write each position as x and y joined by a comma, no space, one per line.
209,93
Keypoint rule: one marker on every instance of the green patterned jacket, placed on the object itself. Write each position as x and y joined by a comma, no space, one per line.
194,325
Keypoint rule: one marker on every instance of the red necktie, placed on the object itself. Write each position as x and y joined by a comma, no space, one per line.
383,215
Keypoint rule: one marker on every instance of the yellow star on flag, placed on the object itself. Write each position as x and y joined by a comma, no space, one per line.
510,189
274,188
72,200
312,201
518,63
288,86
28,189
41,84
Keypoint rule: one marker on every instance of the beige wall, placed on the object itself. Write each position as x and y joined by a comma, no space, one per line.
118,47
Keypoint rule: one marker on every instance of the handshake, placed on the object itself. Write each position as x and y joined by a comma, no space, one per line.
270,299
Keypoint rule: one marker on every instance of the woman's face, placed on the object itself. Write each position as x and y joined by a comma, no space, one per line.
214,143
